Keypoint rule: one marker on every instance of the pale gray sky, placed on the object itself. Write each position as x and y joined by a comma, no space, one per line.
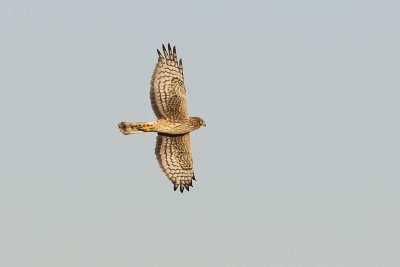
298,164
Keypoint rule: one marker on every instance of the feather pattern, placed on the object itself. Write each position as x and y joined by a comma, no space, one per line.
167,88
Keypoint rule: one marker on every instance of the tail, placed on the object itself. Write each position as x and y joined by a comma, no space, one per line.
134,128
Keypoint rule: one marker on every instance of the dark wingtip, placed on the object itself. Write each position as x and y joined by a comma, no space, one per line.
175,187
181,189
194,178
159,53
163,47
174,50
180,62
187,187
169,48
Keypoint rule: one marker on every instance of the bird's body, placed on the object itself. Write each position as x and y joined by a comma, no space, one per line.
173,124
164,126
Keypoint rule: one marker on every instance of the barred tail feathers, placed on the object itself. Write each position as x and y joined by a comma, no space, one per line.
135,127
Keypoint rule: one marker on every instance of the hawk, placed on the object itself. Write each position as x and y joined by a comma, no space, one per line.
173,124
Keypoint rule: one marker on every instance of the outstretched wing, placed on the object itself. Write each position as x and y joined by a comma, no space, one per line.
167,88
175,159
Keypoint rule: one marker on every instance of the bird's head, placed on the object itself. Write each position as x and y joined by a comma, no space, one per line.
197,122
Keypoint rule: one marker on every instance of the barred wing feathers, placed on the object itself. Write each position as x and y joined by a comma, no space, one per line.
175,159
167,88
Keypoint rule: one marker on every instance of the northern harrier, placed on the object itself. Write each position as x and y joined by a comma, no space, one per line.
173,124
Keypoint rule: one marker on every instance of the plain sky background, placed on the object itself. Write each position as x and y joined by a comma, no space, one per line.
299,164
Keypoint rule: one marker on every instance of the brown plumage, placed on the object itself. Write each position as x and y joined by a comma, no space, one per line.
173,124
